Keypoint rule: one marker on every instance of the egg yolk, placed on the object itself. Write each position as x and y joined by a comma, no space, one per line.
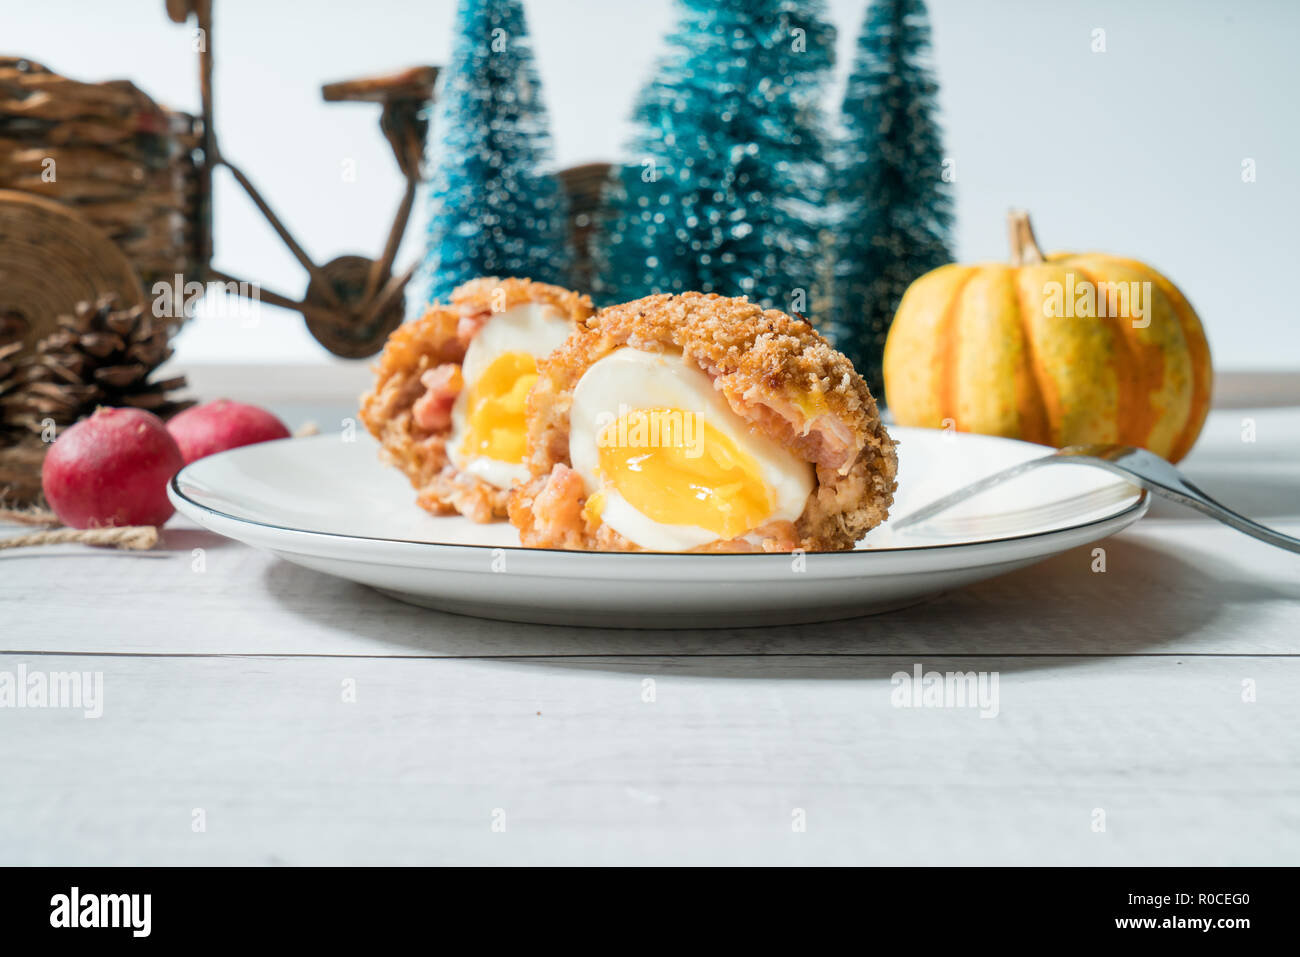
677,469
494,412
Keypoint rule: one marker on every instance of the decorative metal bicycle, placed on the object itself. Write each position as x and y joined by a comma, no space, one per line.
131,200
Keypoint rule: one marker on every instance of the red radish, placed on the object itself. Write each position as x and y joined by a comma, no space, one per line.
112,469
220,425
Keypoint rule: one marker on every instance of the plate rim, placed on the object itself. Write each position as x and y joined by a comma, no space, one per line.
184,503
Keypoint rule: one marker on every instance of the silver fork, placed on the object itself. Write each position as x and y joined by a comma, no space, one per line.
1138,466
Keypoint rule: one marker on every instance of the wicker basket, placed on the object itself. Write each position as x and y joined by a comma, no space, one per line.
114,156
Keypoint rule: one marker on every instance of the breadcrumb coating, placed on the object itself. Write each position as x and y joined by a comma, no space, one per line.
491,294
776,372
408,410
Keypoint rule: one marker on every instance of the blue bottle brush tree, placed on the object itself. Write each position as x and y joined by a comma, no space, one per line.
724,186
495,207
893,207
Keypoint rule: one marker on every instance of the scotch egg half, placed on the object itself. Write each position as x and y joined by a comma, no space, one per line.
697,422
448,402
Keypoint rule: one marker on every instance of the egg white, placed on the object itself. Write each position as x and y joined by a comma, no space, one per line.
629,379
533,327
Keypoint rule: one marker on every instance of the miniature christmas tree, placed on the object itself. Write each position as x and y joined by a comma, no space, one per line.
495,209
725,183
894,208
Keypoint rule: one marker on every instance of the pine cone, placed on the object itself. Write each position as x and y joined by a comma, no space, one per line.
21,450
10,373
101,355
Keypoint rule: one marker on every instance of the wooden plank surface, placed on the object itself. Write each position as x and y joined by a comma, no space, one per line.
1171,586
1176,582
1164,692
713,770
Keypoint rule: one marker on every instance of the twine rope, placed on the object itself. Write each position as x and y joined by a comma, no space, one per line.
131,537
28,516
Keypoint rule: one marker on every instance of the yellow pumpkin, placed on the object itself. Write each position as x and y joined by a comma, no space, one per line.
1066,349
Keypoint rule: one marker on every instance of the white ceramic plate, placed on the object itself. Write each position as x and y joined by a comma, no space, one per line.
328,504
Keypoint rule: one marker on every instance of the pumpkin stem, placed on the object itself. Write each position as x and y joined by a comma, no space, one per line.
1024,247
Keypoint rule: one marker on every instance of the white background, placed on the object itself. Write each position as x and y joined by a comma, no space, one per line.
1137,150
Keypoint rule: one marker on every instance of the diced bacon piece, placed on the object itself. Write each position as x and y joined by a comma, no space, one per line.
432,411
823,439
469,325
553,518
836,446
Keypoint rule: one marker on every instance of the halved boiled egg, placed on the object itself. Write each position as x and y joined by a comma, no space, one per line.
487,419
666,462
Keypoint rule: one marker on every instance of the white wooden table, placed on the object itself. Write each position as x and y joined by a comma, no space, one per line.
227,734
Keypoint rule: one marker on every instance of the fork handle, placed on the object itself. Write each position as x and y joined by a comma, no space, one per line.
1154,474
1137,467
1241,523
1185,493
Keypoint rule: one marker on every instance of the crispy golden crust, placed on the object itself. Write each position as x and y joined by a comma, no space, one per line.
776,372
490,294
438,338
